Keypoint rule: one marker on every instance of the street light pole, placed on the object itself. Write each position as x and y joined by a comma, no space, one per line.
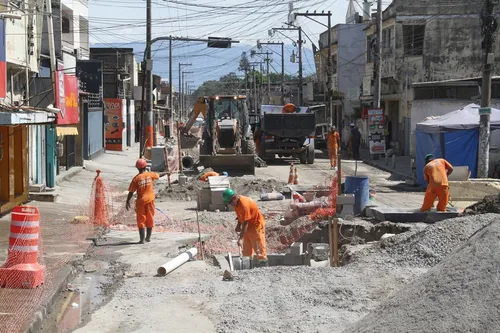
179,101
149,140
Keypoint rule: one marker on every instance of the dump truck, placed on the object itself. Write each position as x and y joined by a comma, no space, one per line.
287,134
227,139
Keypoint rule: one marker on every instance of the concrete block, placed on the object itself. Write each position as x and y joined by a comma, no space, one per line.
293,260
37,188
346,211
213,208
220,181
297,248
318,251
322,263
345,199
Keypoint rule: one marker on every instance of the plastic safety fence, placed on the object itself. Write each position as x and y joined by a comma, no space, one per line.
53,244
281,231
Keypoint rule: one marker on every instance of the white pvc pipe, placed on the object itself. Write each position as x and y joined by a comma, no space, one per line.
177,261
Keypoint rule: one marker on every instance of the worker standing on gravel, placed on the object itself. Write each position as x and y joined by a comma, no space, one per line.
251,225
333,146
145,203
436,172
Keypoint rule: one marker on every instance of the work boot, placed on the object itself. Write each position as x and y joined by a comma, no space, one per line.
141,235
148,234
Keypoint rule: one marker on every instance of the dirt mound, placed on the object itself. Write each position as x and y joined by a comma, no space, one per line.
427,247
256,186
458,295
490,204
189,192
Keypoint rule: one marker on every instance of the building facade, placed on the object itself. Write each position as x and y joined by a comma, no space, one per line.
434,41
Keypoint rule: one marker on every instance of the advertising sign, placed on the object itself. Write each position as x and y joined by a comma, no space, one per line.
72,114
89,73
59,97
376,131
114,124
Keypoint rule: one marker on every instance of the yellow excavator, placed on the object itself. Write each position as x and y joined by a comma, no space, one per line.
227,139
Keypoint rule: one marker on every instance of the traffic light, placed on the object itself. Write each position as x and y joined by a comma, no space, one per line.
219,43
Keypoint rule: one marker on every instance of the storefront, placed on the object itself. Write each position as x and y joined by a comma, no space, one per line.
14,173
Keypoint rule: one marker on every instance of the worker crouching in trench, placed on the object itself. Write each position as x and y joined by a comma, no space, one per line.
436,172
251,225
145,203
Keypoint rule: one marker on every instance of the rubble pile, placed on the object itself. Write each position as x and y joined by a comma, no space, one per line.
490,204
189,192
254,187
427,247
458,295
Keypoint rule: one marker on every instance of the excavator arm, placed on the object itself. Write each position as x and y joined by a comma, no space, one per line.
200,107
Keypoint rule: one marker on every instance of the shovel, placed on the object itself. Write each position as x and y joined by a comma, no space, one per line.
241,257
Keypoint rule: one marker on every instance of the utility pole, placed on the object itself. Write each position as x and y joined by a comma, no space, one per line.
183,96
301,90
259,45
267,60
170,83
179,102
488,29
149,140
378,57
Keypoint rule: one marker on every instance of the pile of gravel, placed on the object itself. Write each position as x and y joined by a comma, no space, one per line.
189,192
458,295
427,247
490,204
254,187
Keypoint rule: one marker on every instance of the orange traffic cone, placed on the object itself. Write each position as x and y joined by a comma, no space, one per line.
296,178
100,207
291,175
22,270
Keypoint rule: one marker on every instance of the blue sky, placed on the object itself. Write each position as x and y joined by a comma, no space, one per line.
120,22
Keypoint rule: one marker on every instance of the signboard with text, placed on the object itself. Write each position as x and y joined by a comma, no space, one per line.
72,113
114,124
59,93
376,131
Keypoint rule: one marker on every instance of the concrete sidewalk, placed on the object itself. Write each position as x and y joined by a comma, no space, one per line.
62,243
401,169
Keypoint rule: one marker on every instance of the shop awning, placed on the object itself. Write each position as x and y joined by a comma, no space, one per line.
26,117
67,130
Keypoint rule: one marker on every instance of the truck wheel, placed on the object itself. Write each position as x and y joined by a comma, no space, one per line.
248,147
310,154
303,157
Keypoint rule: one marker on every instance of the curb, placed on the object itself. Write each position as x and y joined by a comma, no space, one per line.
387,169
68,174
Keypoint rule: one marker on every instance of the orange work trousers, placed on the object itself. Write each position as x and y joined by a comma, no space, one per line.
332,153
145,213
433,192
254,242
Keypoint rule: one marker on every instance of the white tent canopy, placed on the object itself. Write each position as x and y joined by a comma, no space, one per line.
463,119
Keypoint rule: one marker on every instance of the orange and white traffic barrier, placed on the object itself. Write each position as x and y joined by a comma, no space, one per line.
291,175
22,270
100,207
296,177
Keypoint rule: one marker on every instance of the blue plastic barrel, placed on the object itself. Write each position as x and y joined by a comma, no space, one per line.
360,187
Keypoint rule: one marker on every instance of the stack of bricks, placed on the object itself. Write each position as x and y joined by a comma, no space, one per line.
210,196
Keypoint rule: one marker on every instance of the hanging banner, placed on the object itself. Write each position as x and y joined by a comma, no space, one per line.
114,124
59,98
71,111
376,135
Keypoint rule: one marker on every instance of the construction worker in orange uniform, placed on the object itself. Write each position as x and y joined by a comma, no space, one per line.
145,203
333,146
436,172
251,225
204,177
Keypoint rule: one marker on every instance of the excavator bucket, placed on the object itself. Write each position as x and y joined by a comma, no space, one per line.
234,165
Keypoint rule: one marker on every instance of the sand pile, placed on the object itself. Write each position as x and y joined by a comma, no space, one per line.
427,247
189,192
490,204
458,295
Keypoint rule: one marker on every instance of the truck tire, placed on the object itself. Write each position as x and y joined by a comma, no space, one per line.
303,157
248,147
310,154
